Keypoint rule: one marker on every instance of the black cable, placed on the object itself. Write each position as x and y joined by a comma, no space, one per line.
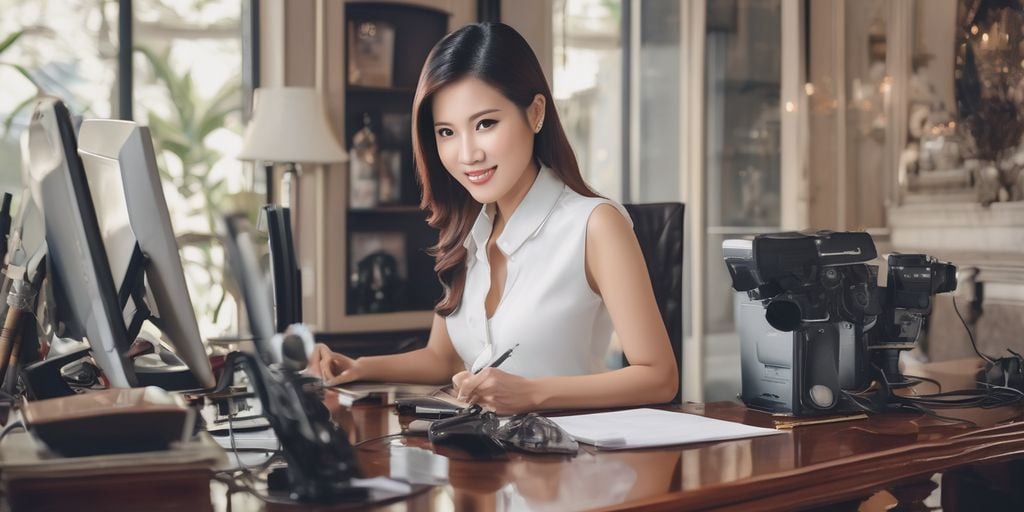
235,485
378,438
231,438
856,401
247,471
970,334
925,379
933,414
1019,393
990,397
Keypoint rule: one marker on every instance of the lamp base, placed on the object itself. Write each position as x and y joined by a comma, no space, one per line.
287,183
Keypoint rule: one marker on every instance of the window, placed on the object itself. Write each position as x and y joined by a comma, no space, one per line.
66,48
188,88
657,177
743,154
741,135
587,87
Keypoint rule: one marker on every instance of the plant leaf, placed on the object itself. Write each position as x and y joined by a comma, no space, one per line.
10,39
14,113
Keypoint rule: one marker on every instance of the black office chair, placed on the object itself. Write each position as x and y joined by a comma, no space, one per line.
659,229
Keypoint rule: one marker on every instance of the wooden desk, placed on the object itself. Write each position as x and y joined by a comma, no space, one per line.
884,459
808,467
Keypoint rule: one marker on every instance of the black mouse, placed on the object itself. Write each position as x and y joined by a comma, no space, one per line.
471,432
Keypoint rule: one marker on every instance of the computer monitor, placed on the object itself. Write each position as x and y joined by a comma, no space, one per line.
81,280
287,282
120,166
244,265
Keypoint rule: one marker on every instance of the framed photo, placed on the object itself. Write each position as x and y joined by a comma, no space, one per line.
362,244
396,128
371,53
362,184
378,271
389,184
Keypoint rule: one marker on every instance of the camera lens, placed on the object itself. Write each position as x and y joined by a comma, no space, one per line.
831,277
783,315
822,396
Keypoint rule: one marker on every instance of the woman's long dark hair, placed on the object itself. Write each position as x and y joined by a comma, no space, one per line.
497,55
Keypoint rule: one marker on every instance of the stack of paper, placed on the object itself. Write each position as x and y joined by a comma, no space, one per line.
641,428
257,440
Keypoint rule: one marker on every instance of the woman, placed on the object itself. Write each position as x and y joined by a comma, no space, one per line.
528,256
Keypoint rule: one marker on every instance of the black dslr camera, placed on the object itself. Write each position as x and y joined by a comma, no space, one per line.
816,324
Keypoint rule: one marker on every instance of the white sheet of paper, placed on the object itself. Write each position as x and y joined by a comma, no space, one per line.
641,428
258,440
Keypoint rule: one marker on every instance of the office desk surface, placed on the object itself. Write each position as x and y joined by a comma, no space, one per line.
834,466
809,466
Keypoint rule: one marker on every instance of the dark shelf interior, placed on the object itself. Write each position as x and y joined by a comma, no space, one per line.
399,228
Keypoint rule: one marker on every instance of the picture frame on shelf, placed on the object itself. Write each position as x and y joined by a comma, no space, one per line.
378,271
371,53
389,182
396,128
362,186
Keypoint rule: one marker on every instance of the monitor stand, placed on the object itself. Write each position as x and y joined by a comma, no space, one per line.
43,379
164,371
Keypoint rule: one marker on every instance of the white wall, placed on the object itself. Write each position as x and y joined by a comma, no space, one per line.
532,18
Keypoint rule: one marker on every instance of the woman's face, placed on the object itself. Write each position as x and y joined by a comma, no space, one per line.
484,140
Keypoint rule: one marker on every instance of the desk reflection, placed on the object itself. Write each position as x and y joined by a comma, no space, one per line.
582,483
773,471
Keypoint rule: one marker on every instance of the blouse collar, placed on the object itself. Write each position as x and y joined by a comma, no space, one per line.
526,220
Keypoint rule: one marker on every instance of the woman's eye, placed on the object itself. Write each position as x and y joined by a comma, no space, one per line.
485,123
445,132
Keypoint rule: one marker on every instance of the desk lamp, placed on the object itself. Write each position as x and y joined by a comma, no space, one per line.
289,127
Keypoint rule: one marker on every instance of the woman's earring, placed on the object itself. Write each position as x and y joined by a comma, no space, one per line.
539,125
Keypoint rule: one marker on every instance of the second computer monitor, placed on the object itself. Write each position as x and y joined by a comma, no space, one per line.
245,268
287,282
84,295
120,164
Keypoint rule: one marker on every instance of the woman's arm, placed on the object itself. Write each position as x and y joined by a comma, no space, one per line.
616,270
433,364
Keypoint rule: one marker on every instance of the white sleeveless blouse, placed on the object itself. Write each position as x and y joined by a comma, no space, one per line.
561,326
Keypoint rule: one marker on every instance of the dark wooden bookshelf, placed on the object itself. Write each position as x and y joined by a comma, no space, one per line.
389,108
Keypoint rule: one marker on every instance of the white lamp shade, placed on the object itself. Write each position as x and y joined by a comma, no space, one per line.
288,125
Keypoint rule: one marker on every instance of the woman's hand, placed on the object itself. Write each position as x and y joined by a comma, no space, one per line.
496,390
332,367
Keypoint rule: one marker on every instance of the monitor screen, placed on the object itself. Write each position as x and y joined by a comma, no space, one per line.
286,281
84,294
120,165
